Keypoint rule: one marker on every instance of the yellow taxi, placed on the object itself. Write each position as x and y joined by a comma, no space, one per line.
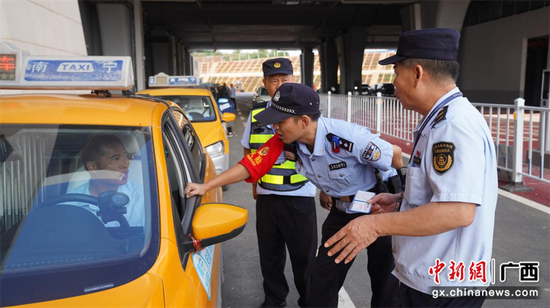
92,205
201,109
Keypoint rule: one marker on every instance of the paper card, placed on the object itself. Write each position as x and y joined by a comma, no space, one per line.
359,204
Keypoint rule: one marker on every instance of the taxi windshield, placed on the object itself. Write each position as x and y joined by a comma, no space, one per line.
78,206
197,108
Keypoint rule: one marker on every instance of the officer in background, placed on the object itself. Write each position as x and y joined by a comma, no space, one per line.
339,158
447,214
285,205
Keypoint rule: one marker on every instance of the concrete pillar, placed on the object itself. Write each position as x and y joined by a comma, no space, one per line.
328,58
188,60
351,47
90,25
411,17
444,14
179,58
161,53
139,59
306,65
115,25
173,56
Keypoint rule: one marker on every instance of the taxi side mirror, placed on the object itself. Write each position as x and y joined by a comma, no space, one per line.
217,222
228,117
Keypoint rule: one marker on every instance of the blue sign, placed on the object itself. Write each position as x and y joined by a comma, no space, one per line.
203,261
73,70
151,80
183,81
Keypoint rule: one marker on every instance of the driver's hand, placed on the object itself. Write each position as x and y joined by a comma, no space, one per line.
193,189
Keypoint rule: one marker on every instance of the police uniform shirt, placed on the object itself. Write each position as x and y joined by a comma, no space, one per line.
454,161
134,209
352,168
308,190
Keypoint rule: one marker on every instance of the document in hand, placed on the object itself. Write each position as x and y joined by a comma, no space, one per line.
359,204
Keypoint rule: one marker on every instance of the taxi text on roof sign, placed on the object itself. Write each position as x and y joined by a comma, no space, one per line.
19,70
163,80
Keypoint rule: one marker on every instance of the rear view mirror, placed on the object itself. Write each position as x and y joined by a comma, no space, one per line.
228,117
217,222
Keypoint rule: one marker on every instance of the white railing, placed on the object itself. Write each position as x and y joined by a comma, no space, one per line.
514,128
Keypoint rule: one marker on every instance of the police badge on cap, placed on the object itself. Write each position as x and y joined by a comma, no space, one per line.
277,66
290,99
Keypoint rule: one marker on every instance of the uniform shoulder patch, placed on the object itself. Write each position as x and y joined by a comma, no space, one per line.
372,152
344,144
440,115
443,156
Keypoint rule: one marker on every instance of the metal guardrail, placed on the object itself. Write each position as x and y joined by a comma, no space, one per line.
514,127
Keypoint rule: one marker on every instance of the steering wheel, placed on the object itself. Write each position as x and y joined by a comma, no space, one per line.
80,198
196,116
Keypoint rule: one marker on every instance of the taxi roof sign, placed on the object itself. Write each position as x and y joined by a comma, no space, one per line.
19,70
163,80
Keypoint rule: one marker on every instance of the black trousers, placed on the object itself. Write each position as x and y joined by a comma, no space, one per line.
328,277
292,221
412,298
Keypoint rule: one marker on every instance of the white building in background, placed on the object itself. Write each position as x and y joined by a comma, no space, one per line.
43,27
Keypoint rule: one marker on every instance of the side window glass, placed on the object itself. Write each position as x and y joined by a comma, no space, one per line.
179,169
191,141
175,171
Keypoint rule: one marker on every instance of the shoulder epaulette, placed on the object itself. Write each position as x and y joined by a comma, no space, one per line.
344,144
440,115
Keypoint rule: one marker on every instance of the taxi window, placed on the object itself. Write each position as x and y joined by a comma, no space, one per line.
78,204
180,168
264,91
197,108
191,141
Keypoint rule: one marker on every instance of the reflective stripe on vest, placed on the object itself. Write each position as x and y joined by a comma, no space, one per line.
279,180
282,177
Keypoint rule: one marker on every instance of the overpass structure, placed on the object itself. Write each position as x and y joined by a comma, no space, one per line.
503,48
504,44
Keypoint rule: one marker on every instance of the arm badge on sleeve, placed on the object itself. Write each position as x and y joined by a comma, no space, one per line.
443,156
372,152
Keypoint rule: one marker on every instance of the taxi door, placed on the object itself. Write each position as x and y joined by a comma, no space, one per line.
195,277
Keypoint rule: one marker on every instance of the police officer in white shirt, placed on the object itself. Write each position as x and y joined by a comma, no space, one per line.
443,232
339,158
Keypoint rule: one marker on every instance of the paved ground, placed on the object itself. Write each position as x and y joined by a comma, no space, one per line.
522,233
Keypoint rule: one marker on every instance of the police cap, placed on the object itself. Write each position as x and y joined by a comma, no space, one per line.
434,43
290,99
277,66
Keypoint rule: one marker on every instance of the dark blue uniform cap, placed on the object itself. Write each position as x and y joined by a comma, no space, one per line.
434,43
277,66
291,99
